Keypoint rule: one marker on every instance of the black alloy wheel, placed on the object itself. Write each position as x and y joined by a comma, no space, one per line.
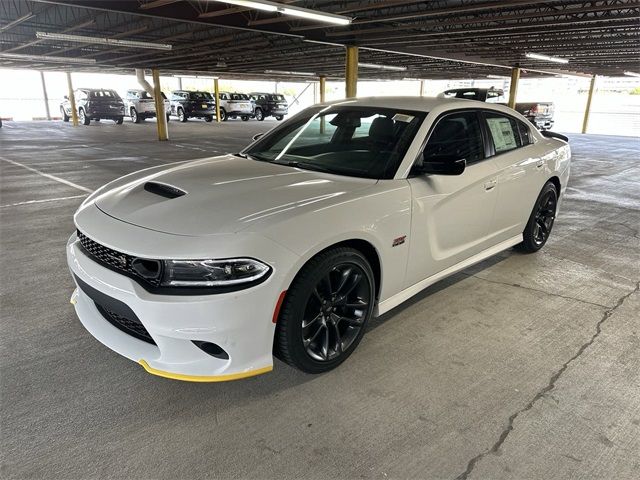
65,117
223,115
259,115
279,117
208,118
244,118
119,120
540,223
326,311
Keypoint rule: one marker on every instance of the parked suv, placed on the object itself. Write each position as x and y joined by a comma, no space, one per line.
269,105
233,105
186,104
94,104
140,105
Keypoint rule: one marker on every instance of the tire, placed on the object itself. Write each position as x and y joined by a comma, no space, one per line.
259,114
334,332
135,118
208,118
244,118
181,115
279,117
168,117
65,117
223,115
119,120
83,117
538,228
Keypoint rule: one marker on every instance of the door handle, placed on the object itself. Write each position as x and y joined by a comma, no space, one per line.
490,185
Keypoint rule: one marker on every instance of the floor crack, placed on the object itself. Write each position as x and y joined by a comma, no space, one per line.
550,386
517,285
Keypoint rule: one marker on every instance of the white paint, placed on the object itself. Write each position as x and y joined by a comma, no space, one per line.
29,202
47,175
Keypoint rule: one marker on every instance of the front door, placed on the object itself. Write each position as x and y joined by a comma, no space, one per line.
451,214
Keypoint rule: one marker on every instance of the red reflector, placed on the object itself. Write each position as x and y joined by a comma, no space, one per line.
276,312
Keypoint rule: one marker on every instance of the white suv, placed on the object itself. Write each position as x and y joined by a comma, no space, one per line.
233,105
140,105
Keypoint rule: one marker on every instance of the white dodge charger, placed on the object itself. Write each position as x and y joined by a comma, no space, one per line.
204,270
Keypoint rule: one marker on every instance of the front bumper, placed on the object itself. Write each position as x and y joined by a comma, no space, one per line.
239,322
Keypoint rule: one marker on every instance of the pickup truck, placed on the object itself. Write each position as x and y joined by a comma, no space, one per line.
538,113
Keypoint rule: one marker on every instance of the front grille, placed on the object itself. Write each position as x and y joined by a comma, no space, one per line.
132,326
118,261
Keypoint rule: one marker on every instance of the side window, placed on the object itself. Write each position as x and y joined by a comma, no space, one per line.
223,96
525,134
503,131
456,136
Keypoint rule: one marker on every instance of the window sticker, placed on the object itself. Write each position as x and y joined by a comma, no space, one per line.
401,117
502,133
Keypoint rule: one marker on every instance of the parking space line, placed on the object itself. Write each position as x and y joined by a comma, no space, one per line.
28,202
47,175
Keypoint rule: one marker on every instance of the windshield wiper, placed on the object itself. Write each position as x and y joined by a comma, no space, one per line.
306,166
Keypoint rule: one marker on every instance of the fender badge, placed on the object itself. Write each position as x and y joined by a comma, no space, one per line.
398,241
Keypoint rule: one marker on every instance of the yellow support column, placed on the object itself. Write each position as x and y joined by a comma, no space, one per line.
72,101
585,121
323,90
513,88
161,116
216,90
351,72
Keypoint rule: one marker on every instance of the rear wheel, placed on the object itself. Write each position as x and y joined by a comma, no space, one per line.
135,118
181,115
65,117
168,117
540,223
244,118
208,118
223,115
119,120
326,311
259,114
279,117
84,118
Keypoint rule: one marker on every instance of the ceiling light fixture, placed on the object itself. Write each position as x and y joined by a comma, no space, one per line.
498,77
632,74
382,67
546,58
288,72
46,58
267,6
102,41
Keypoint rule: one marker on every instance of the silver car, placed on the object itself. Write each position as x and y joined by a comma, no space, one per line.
140,105
233,105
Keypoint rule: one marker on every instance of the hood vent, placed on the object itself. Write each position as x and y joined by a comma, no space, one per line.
164,190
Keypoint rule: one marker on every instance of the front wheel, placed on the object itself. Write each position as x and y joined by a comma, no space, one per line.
119,120
84,118
326,310
540,223
135,118
244,118
65,117
279,117
223,115
181,115
168,117
259,115
208,118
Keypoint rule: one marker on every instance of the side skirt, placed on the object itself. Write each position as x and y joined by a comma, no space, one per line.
409,292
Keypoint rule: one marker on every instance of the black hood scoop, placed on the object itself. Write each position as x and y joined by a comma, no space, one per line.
164,190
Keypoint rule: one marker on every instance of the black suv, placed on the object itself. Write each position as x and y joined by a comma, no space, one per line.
186,104
269,105
94,104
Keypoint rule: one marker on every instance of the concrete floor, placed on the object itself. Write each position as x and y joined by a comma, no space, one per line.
526,366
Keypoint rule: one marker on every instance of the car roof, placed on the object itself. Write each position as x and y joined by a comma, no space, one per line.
422,104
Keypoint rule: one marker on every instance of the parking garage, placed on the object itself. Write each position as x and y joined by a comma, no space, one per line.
519,366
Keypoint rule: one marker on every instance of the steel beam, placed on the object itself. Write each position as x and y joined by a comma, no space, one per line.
161,115
351,72
587,110
72,101
513,87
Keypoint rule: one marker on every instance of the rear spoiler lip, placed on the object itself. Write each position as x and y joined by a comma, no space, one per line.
557,136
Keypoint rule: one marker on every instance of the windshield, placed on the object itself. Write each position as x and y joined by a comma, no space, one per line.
200,96
366,142
277,98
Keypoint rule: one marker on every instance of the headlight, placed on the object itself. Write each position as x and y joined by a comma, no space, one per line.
212,273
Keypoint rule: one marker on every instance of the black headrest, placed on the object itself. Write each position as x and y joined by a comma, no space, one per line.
448,130
381,129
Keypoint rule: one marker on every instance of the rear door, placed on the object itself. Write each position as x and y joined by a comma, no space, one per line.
451,215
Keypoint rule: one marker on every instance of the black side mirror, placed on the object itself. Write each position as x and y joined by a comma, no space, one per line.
257,136
440,165
66,97
550,134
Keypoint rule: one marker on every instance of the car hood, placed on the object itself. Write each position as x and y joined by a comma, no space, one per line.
224,194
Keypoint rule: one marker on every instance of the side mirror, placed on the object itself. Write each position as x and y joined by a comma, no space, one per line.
66,97
440,165
257,136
